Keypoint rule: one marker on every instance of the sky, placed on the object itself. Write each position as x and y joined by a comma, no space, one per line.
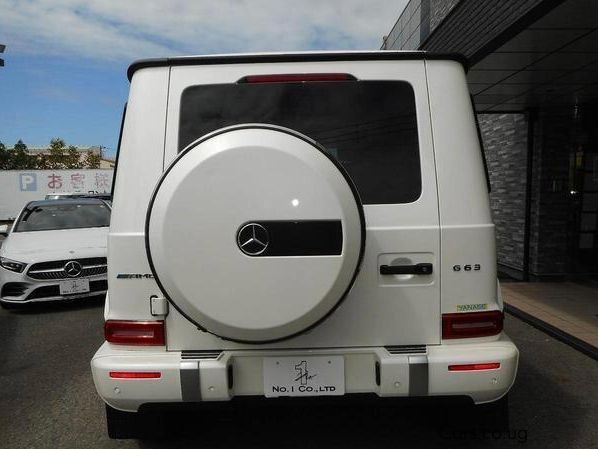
66,60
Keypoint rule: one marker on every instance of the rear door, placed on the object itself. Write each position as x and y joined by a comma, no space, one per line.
376,123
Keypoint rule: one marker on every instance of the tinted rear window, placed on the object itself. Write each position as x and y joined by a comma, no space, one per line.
63,216
370,127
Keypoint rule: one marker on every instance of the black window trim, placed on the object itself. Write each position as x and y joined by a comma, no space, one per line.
120,138
481,143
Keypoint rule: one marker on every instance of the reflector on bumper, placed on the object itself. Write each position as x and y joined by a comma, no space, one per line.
474,367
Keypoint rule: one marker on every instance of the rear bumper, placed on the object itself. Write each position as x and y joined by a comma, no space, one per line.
187,377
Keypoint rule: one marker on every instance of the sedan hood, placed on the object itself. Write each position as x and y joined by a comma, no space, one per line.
43,246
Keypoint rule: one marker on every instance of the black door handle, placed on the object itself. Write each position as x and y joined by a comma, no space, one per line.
420,268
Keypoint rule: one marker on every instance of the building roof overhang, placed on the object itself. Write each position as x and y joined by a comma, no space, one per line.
551,62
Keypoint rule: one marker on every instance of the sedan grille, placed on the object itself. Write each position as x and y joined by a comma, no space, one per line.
91,266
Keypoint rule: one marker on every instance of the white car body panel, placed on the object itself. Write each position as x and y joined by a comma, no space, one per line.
414,237
467,230
62,244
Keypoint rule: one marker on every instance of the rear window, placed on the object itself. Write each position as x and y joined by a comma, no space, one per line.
370,127
63,216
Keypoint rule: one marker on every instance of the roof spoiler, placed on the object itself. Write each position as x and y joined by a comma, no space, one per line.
295,57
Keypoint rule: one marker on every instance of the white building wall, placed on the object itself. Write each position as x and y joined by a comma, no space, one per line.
17,187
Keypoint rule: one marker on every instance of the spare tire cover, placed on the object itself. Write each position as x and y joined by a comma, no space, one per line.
255,234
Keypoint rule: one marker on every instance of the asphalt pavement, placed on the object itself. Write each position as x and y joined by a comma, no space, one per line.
47,400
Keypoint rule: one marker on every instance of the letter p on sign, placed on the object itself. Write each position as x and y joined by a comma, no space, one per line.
28,182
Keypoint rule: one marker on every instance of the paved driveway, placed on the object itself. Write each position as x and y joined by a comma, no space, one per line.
47,400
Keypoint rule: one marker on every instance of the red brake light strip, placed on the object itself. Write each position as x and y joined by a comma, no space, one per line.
296,78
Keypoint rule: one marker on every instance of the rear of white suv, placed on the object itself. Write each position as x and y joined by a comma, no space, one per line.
302,225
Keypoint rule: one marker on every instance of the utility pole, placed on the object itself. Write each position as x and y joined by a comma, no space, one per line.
2,47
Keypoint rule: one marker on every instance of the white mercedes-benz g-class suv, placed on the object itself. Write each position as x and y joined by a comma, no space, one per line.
303,224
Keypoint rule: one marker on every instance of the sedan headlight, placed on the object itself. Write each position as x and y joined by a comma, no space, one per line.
12,265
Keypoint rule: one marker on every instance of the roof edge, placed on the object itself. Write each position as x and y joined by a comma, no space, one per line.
386,55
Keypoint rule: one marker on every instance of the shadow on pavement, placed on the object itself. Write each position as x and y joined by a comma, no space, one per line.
359,426
384,424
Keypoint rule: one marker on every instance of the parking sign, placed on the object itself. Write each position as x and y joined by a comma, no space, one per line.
28,182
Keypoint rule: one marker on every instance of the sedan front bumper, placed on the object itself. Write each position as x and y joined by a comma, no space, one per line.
18,288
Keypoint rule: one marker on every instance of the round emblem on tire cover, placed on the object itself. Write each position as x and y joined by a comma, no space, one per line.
253,239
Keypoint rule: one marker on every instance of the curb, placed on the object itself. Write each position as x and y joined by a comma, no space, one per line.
555,332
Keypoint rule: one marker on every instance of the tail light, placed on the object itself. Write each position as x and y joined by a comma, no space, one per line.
471,324
145,333
296,78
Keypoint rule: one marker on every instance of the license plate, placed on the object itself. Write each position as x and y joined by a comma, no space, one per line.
74,286
304,376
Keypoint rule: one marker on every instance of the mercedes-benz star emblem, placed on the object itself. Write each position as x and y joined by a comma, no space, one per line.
253,239
73,269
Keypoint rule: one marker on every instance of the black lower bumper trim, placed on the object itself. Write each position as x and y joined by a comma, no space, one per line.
242,402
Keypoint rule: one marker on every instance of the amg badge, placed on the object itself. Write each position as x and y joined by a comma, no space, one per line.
134,276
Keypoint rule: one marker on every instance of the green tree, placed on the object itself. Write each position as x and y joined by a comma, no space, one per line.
20,159
92,160
56,157
59,156
41,162
4,155
72,158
